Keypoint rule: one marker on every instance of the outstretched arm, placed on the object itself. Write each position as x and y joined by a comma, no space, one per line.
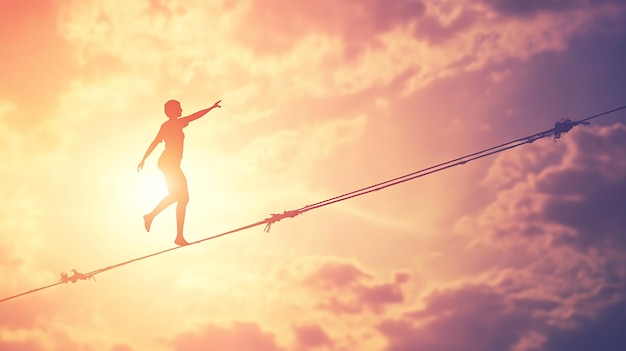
196,115
153,144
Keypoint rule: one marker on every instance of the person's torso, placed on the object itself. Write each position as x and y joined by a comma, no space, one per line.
174,138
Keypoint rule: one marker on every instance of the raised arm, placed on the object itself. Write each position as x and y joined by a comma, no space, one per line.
153,144
196,115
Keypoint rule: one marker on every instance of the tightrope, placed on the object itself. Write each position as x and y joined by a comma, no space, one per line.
560,128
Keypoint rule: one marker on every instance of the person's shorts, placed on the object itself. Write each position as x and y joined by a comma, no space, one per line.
174,177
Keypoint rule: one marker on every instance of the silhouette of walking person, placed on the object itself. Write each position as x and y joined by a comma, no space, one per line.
169,163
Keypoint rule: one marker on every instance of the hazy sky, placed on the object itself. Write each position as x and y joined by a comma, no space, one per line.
523,251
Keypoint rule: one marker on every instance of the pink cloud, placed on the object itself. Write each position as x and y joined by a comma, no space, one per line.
277,23
32,47
48,338
336,275
24,313
377,296
311,336
339,306
433,29
349,290
28,345
240,336
121,347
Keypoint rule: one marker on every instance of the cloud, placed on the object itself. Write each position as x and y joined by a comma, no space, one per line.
31,46
472,318
484,317
49,337
378,296
577,184
347,289
311,336
336,275
292,154
29,345
280,23
121,347
567,194
282,50
21,314
588,192
532,7
249,336
605,332
547,252
21,216
435,28
240,336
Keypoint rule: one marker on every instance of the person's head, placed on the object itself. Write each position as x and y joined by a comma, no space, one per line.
173,109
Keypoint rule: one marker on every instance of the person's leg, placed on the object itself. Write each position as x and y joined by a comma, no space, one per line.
163,204
181,208
170,198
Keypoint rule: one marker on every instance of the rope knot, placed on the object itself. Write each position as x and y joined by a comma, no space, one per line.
275,217
75,277
565,126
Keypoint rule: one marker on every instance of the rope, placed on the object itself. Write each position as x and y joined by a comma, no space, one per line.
559,129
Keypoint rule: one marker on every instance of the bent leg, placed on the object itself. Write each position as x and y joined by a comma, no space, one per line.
169,173
163,204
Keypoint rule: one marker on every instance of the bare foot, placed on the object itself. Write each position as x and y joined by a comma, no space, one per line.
147,222
181,241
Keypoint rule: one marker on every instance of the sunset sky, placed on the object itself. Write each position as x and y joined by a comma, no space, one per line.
522,251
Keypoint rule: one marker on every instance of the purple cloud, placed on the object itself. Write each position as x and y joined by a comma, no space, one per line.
590,194
577,189
472,318
552,244
606,333
490,318
531,7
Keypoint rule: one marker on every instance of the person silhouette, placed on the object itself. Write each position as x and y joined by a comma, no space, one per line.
169,163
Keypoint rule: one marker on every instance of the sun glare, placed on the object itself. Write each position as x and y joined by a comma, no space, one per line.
150,188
